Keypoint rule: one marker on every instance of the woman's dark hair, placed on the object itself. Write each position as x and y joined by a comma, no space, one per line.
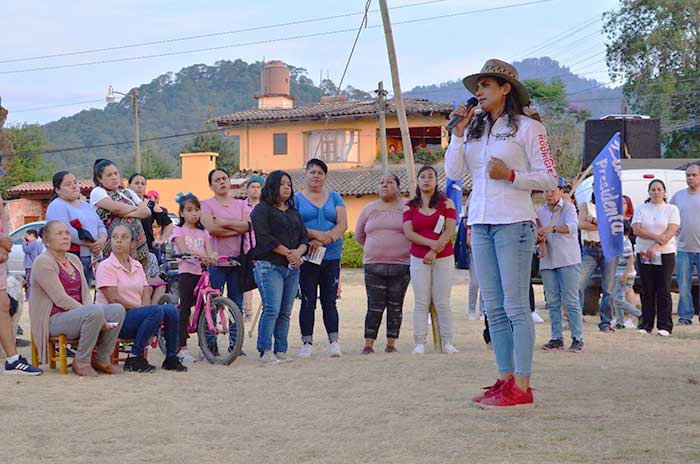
626,227
183,201
131,230
44,232
213,171
317,162
98,168
33,232
57,180
648,200
437,197
513,109
135,175
270,194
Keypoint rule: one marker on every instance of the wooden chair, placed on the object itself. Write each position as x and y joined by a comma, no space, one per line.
56,344
121,347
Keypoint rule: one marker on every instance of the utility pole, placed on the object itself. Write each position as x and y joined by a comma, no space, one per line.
398,99
137,139
381,97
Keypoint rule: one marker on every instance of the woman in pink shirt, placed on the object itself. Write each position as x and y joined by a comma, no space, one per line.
121,279
429,223
386,262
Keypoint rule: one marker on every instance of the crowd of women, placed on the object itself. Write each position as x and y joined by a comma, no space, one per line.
296,238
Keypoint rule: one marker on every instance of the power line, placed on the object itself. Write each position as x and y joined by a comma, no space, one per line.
267,41
60,105
558,38
209,35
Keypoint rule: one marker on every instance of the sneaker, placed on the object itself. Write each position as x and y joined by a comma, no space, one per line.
282,357
138,364
554,344
576,346
21,367
537,318
367,350
267,357
448,348
607,329
614,322
471,316
390,349
419,349
306,350
629,324
186,357
173,363
664,333
334,350
684,322
619,326
489,391
644,331
509,396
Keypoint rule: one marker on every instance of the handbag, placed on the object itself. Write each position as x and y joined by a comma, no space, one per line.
461,251
246,277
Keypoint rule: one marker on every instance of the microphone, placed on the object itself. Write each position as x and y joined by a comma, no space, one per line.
471,103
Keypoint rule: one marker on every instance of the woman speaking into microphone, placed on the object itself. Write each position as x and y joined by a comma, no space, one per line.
507,154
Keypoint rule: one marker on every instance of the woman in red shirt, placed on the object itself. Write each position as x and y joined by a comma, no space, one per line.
429,224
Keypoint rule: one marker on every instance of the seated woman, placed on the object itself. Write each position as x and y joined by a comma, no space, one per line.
59,304
121,279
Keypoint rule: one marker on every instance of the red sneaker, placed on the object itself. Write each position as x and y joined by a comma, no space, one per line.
490,391
509,396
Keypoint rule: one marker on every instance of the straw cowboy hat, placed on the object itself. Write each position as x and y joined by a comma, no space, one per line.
506,71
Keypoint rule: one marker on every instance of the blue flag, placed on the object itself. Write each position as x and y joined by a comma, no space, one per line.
453,190
608,198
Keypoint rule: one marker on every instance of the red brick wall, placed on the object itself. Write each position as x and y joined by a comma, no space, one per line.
23,208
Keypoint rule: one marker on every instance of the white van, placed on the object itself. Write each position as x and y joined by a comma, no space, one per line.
635,184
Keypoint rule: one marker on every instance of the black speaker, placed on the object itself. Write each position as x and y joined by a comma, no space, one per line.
642,137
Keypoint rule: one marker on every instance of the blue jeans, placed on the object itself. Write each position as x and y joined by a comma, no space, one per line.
312,277
592,259
278,287
623,306
86,261
142,323
684,275
503,257
561,286
218,277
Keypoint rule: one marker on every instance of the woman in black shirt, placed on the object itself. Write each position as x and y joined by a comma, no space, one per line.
281,241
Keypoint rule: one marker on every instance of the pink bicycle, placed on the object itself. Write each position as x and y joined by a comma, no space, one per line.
217,320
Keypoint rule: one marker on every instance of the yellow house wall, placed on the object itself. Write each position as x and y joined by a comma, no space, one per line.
195,168
256,141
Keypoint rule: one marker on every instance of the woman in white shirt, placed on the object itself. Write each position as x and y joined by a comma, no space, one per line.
655,224
508,156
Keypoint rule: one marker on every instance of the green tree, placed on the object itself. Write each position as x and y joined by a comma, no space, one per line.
564,123
228,149
23,161
654,48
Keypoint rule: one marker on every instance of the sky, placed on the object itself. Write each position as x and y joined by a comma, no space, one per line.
430,50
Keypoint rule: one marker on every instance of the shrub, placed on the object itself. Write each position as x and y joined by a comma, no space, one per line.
352,251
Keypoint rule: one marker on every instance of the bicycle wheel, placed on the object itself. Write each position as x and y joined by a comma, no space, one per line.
224,346
167,298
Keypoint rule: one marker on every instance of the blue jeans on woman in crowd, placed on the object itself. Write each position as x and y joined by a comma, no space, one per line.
218,277
503,257
592,259
561,286
684,275
140,324
278,287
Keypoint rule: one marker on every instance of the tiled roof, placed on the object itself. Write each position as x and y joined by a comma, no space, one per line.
346,109
355,181
31,188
